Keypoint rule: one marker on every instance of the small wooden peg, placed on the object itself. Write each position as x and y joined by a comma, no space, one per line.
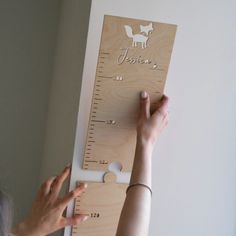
109,177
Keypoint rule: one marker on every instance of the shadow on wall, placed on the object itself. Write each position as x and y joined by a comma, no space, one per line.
39,41
27,43
65,87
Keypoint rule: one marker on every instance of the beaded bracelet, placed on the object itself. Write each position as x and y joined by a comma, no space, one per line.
139,184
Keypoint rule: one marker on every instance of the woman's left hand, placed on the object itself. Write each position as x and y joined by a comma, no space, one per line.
46,215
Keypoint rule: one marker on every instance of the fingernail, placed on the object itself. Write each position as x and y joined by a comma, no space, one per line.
82,185
68,165
85,218
144,94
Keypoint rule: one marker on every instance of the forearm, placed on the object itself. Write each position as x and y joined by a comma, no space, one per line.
142,166
135,215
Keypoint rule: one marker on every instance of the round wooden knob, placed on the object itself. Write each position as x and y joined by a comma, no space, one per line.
109,177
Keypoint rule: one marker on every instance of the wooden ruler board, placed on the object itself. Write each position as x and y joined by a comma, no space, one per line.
103,202
134,55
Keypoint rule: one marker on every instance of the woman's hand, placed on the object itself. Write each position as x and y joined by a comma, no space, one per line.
46,215
150,125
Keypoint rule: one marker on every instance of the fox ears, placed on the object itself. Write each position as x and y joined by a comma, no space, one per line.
149,25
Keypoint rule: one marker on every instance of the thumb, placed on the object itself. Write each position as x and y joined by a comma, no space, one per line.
74,220
144,105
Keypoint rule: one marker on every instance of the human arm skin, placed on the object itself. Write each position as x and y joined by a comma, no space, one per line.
46,215
135,215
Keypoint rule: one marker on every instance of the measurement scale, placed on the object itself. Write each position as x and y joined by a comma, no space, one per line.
134,55
103,202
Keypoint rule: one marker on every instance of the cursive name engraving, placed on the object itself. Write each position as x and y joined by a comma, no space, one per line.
124,57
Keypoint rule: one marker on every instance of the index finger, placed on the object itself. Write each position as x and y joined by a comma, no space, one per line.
72,195
59,180
163,107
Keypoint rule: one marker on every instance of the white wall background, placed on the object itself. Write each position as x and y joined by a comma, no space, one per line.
28,31
194,181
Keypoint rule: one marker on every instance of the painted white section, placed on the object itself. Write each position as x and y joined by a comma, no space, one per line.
146,28
194,179
137,38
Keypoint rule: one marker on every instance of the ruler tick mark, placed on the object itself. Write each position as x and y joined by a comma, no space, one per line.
105,53
106,77
91,161
99,121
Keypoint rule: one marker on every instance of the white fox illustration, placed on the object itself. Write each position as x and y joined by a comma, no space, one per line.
137,38
146,29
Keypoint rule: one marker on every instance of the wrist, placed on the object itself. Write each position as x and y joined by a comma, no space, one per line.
144,150
19,230
22,229
145,144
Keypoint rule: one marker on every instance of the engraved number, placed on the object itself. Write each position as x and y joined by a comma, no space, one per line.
95,215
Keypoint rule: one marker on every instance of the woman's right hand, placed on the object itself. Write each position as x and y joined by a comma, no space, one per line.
150,125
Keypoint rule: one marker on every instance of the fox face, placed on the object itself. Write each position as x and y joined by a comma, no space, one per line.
146,29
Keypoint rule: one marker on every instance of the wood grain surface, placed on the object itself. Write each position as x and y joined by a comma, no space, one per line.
134,55
103,202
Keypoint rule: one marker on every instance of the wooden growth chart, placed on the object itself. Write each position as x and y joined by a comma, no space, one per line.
134,55
103,202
